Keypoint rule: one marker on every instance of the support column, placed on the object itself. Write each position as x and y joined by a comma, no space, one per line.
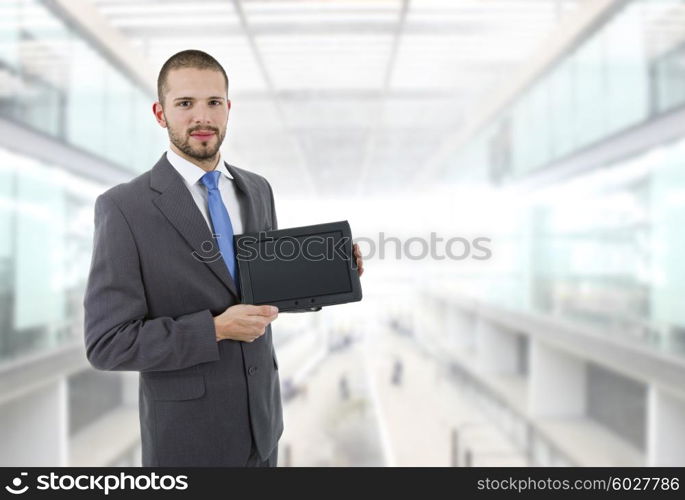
34,428
557,382
665,429
461,327
130,388
496,348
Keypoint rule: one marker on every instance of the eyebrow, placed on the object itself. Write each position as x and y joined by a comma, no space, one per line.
193,99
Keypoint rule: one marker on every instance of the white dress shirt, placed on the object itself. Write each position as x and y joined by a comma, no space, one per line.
192,174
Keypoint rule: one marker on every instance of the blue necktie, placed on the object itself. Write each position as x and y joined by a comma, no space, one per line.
223,229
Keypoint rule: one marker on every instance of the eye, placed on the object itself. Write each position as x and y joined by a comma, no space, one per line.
182,103
215,102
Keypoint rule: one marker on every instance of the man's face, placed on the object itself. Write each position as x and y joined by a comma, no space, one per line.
195,111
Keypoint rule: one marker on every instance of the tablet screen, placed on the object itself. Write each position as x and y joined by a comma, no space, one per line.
299,267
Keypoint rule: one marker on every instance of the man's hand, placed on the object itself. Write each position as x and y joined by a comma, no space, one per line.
358,257
244,322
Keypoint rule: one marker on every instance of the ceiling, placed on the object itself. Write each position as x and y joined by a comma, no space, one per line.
344,97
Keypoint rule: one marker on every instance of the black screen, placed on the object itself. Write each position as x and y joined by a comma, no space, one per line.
287,269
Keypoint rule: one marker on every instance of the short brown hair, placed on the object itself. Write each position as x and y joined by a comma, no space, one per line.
186,59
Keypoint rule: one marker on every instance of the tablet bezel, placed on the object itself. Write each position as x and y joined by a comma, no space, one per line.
308,303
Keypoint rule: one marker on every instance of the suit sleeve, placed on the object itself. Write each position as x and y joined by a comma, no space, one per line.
118,333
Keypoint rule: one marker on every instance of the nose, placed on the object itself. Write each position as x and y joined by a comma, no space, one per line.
202,115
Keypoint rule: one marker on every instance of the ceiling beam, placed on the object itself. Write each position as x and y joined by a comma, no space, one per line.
371,137
307,178
87,19
328,95
465,28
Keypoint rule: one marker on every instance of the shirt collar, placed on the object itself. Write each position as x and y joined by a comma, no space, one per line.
191,172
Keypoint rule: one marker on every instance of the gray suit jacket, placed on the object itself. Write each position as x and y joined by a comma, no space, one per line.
154,286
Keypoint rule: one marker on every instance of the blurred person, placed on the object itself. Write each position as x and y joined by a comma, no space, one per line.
163,301
397,370
344,387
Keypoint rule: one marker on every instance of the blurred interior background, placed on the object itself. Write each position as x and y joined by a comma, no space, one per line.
554,129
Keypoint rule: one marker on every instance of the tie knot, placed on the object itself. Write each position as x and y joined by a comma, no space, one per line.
211,179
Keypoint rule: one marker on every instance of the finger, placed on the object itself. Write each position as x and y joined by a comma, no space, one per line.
265,321
259,323
262,310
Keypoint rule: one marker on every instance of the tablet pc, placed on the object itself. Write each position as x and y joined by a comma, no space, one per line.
300,268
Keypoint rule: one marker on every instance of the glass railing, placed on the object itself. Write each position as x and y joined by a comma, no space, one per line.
628,71
46,222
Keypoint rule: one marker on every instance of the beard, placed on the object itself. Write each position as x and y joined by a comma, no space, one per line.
201,151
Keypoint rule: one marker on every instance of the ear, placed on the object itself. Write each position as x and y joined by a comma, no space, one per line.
158,111
228,104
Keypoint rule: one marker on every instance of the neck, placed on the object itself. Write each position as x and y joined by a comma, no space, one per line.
207,165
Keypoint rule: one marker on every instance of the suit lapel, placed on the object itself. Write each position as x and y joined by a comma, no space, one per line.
178,206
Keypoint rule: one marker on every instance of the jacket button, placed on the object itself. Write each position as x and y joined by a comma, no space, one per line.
252,370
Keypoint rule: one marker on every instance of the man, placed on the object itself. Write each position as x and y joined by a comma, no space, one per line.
163,297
